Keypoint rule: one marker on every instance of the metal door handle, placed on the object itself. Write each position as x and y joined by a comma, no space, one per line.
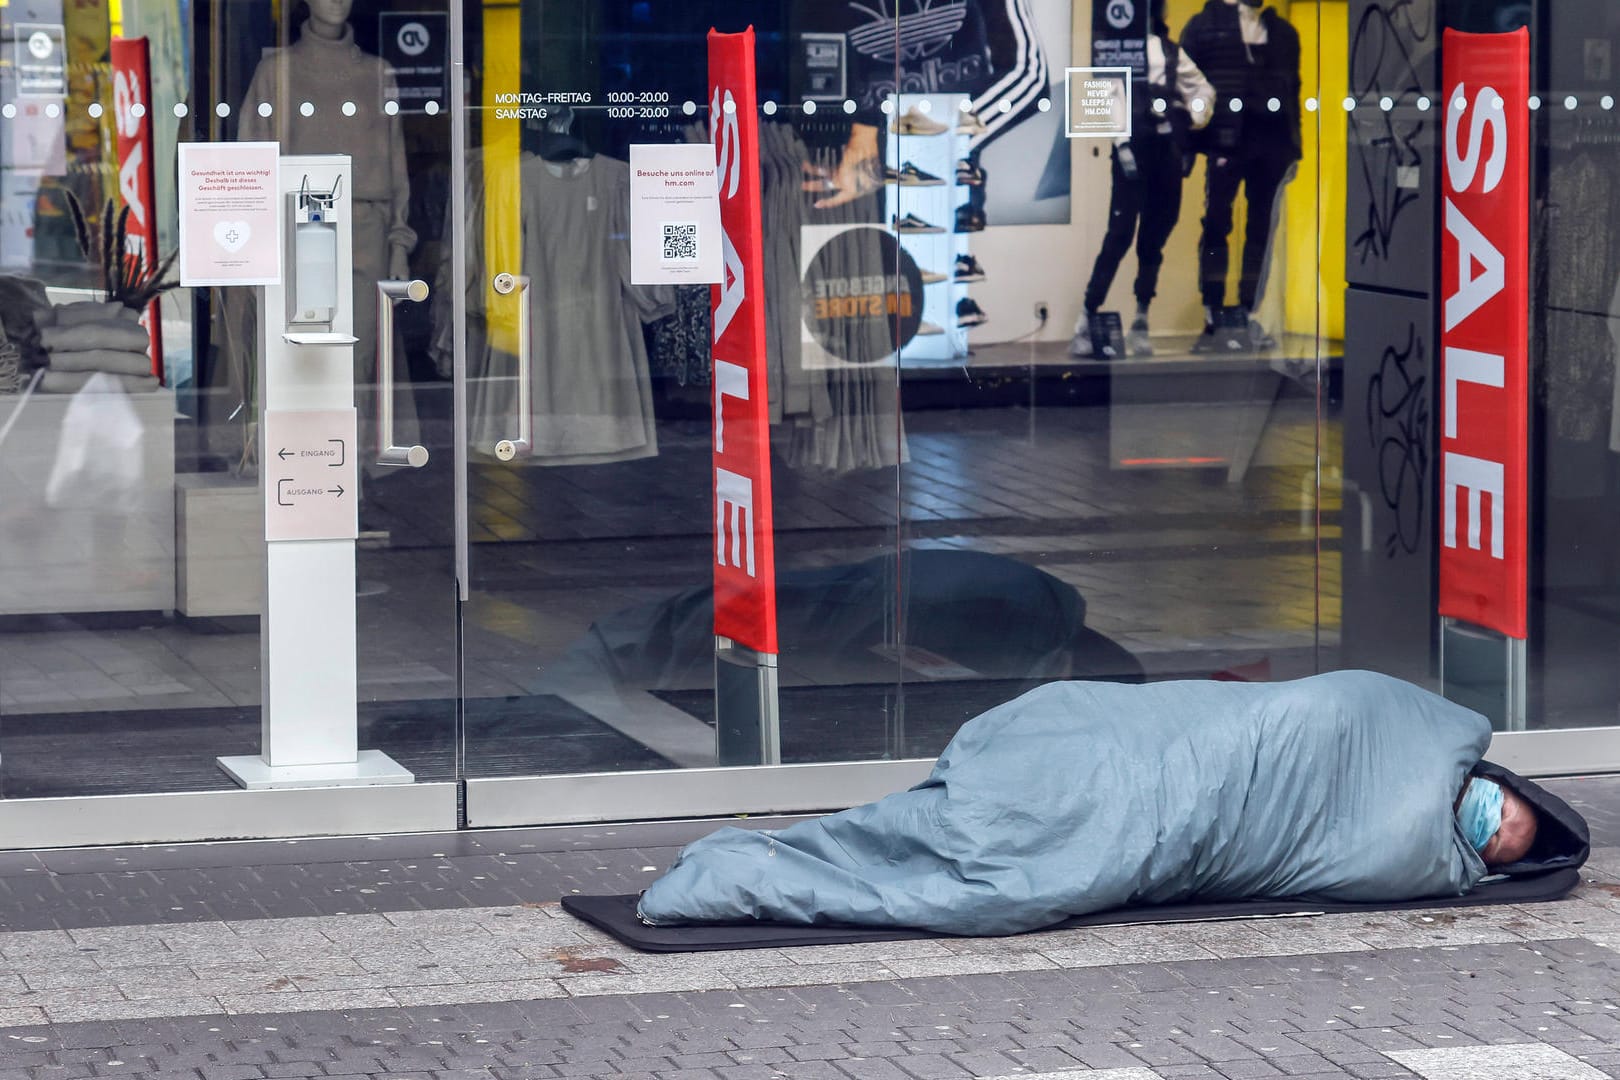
390,293
523,445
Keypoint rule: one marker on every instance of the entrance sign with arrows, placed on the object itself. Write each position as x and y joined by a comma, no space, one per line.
310,477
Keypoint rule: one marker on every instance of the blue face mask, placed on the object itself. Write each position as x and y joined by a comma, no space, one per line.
1480,812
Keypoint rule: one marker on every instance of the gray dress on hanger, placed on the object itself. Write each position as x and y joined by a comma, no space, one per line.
591,392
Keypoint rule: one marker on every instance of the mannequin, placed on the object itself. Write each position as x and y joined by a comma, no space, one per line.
1148,168
325,69
1251,55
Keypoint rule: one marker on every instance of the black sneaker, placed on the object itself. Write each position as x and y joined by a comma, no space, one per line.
970,314
969,219
968,269
969,174
911,176
911,223
891,175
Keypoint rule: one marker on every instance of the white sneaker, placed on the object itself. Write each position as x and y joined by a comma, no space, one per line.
913,122
1137,341
970,124
926,328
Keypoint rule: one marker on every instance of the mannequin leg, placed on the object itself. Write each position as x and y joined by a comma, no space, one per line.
1124,206
1222,176
1161,209
1264,274
1263,180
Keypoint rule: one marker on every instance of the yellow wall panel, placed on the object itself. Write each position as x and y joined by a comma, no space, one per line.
1313,211
498,154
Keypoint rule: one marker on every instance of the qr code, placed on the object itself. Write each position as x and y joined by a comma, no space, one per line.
680,241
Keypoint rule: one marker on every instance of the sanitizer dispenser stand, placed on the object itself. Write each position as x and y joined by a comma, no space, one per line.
308,470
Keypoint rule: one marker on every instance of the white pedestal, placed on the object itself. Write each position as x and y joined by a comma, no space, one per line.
308,457
370,767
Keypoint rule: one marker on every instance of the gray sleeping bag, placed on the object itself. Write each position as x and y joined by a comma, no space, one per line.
1084,796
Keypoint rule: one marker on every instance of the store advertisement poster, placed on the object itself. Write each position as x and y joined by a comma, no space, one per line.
132,87
40,59
1484,329
1006,56
744,536
229,225
674,215
1119,31
416,46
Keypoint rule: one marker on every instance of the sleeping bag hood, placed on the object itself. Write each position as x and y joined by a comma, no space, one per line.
1563,840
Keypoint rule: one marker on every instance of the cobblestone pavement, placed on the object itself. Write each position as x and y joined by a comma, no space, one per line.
482,986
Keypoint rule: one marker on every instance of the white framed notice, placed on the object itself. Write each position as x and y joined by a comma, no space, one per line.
674,215
1097,102
229,223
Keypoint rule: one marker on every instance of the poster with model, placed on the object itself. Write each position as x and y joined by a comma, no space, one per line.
1001,53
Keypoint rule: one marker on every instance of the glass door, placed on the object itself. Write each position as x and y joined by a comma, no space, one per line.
589,436
138,645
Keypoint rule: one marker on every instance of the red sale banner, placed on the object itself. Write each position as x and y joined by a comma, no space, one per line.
744,543
137,179
1484,325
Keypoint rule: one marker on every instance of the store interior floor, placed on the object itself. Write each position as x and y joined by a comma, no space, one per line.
1190,526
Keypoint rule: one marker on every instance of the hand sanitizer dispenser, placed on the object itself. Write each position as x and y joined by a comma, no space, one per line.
312,298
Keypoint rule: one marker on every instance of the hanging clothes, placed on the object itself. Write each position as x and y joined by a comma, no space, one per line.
591,394
843,417
680,347
834,420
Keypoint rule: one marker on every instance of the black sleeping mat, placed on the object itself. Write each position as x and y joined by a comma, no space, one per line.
617,916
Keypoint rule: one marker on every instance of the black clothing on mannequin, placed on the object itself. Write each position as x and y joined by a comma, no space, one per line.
1152,197
1250,74
1147,173
1254,145
1261,174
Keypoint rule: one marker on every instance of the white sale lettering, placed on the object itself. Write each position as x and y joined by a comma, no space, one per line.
1481,276
728,155
733,492
126,95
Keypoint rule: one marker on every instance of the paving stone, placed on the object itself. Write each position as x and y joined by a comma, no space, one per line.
1099,1074
1520,1062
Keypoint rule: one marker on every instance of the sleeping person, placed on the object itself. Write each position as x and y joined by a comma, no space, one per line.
1497,823
1081,797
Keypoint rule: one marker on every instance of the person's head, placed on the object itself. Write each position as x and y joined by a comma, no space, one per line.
1515,835
1499,824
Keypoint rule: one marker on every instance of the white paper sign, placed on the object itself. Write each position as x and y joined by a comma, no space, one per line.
229,226
310,475
674,215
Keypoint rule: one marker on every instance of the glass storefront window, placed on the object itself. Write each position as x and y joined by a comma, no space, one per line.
1098,340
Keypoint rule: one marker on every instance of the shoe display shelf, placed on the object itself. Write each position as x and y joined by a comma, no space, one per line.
935,154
